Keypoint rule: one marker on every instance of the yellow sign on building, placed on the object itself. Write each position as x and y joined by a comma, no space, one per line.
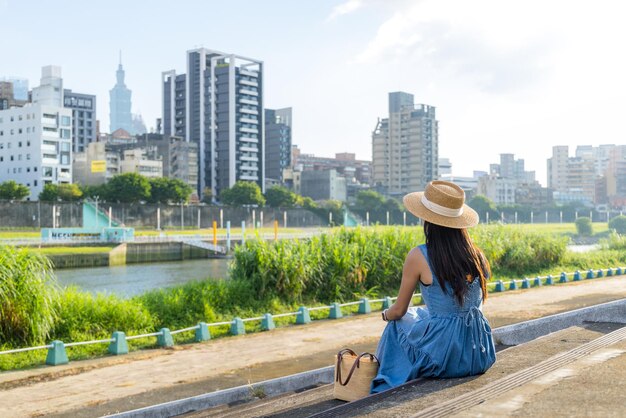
98,166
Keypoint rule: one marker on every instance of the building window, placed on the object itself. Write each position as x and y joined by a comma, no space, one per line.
65,133
47,171
65,121
35,183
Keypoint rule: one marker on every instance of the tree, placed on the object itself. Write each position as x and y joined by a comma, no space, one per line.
207,195
164,190
50,193
243,193
99,190
618,224
584,226
369,201
280,197
11,190
483,205
69,192
129,188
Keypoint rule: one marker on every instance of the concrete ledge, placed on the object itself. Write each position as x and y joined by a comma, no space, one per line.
508,335
523,332
237,394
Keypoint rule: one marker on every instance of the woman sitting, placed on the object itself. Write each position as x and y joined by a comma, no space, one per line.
450,337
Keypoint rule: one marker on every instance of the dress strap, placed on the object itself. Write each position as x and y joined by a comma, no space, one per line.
479,330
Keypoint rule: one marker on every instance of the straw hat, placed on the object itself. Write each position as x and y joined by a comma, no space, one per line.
442,203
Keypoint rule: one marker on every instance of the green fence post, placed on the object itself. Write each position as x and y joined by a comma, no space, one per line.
335,311
549,280
618,271
563,278
525,283
165,338
364,306
513,285
202,332
118,345
609,272
237,327
387,302
499,286
600,273
303,316
537,282
267,323
577,276
57,354
590,274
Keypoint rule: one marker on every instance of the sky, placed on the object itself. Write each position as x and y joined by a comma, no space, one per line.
505,76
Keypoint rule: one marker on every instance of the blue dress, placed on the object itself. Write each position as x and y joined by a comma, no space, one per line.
443,340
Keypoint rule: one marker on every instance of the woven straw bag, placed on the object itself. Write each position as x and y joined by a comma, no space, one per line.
354,374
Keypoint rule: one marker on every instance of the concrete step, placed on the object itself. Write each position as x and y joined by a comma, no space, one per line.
417,395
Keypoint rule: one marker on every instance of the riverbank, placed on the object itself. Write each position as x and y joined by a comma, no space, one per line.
156,376
80,256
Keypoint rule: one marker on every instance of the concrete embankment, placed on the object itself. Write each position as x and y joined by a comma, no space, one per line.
130,253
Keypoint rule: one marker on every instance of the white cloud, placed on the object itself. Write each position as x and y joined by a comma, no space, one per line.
505,76
344,8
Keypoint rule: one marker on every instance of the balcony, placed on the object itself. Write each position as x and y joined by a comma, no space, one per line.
244,158
249,83
249,130
244,119
248,101
248,73
248,139
248,111
248,168
247,148
248,92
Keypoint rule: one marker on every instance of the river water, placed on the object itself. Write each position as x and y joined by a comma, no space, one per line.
133,279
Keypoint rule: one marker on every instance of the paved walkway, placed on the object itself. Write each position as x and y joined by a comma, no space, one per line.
97,387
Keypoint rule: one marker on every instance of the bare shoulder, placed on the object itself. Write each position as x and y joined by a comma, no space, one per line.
417,264
415,256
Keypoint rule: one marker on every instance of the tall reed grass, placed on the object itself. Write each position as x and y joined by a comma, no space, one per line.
338,265
28,296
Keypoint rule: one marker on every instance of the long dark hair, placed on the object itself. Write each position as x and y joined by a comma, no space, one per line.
455,259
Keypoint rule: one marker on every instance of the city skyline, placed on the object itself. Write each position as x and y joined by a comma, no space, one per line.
504,78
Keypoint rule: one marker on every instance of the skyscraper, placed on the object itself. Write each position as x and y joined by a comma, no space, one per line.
277,143
218,103
405,147
120,103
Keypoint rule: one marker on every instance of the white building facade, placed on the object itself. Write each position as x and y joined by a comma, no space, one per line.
36,146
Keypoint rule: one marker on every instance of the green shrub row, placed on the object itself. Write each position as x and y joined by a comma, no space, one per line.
349,262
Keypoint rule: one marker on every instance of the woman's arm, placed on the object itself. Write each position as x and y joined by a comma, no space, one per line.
411,273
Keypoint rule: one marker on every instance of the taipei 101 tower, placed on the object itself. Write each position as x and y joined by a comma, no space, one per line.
120,103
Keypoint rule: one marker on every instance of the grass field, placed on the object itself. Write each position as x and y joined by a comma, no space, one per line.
569,229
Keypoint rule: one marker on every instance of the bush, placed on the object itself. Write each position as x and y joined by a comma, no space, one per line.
514,251
83,316
584,226
618,224
28,297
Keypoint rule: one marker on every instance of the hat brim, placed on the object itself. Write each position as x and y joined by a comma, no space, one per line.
413,203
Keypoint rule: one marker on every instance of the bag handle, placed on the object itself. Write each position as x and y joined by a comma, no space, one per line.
354,366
